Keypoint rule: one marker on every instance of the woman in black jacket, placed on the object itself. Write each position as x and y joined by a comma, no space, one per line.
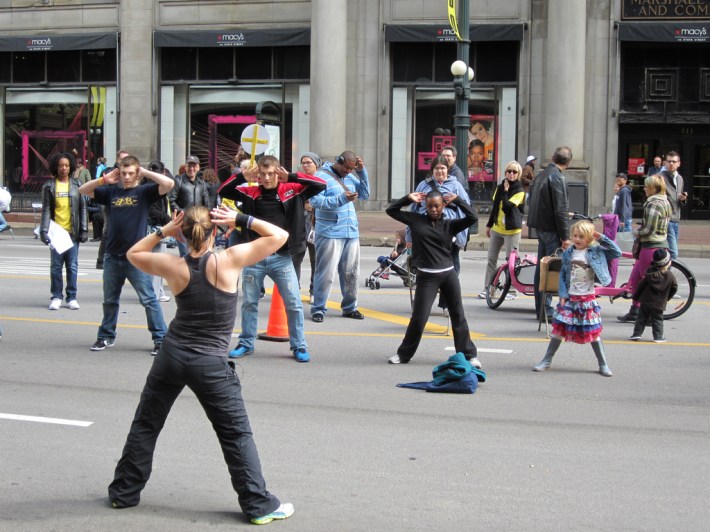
64,205
431,255
505,223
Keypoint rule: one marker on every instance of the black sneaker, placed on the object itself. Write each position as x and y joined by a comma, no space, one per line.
156,348
103,343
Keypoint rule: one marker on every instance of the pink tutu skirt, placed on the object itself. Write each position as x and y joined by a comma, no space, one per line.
579,320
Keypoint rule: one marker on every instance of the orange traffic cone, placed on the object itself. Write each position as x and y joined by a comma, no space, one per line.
277,329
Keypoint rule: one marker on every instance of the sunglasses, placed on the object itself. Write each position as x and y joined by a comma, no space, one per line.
511,171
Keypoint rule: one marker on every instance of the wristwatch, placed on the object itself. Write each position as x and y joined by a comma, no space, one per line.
159,232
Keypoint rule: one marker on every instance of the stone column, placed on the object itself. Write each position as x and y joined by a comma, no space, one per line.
329,70
564,83
137,123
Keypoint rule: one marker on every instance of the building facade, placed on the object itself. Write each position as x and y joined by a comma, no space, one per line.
618,81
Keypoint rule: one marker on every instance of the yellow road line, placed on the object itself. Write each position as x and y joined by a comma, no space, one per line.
475,336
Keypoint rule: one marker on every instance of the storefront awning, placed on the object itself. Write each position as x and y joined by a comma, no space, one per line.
444,33
233,37
45,42
672,31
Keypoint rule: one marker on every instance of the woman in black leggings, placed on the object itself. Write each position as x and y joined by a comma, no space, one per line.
431,255
194,354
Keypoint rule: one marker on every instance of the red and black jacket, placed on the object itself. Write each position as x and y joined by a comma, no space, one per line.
293,195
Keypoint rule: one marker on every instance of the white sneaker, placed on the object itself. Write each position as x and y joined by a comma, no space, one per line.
73,304
394,360
164,299
475,362
510,297
482,295
55,304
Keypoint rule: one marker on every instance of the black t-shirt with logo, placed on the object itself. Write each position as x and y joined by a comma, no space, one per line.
127,212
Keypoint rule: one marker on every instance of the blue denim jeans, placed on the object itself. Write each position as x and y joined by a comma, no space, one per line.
280,269
3,223
70,258
673,239
342,254
547,243
116,270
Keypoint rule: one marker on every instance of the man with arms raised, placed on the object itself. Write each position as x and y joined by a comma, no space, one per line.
127,207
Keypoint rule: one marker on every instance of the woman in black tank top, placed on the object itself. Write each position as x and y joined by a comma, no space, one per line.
194,354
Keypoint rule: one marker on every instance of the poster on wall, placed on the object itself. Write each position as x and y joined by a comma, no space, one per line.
481,157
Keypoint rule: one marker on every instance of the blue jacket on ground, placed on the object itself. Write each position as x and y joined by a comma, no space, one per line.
335,215
597,257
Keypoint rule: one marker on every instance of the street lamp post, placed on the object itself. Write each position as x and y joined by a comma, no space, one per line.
462,76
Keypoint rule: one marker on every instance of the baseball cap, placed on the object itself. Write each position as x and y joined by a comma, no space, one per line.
531,158
192,160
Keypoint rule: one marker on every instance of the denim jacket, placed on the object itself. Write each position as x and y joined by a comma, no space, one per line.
597,257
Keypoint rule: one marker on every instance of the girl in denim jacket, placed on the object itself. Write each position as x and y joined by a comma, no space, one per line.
578,316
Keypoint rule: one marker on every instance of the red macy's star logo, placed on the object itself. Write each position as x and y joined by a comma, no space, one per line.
677,32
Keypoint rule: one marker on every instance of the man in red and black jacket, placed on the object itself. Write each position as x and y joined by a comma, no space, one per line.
279,199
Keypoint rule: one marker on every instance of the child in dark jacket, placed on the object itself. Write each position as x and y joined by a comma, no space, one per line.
653,292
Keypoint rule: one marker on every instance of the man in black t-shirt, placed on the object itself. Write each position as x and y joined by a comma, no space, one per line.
127,208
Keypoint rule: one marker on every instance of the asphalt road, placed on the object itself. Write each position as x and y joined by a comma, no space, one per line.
563,450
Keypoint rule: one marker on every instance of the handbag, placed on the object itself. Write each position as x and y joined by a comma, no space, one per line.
550,274
636,248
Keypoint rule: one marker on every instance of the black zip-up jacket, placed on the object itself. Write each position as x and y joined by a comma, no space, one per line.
77,206
549,208
431,241
186,193
293,196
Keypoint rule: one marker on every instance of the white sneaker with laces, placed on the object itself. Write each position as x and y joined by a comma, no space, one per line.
482,295
55,304
394,360
73,304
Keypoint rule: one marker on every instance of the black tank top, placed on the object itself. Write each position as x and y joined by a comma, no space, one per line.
205,314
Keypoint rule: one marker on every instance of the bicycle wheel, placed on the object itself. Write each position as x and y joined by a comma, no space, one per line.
686,290
498,288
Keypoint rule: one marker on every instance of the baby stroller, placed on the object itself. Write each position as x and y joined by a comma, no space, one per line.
396,263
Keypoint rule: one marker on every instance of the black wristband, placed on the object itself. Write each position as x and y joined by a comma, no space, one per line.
244,220
159,232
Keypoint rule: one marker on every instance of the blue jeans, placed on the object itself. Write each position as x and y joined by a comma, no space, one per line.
116,270
342,254
673,239
280,269
70,258
624,226
547,243
3,223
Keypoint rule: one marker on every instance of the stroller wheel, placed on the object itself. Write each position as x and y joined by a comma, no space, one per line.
367,282
377,284
371,285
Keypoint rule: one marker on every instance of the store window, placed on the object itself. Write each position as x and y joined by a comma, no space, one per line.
5,68
33,133
27,67
244,63
64,67
492,62
61,66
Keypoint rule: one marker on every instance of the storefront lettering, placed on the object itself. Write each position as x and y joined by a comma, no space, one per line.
665,9
231,39
40,42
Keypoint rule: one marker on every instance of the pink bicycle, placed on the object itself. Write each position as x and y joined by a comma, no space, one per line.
519,273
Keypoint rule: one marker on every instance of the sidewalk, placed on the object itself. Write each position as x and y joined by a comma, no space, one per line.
377,229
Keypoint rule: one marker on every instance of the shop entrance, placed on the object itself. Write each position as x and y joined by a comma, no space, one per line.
641,143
